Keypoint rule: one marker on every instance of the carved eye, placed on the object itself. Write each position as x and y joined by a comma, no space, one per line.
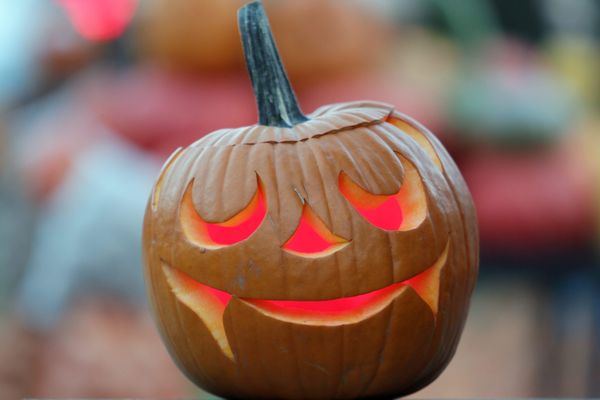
226,233
402,211
312,238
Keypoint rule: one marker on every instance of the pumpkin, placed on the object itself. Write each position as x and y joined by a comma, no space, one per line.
201,36
328,256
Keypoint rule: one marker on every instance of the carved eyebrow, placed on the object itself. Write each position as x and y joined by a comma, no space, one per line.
221,234
161,176
419,137
402,211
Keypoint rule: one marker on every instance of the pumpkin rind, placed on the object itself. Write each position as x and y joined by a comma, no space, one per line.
235,315
307,169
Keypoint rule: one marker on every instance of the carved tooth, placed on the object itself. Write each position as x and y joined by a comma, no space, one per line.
202,301
209,304
427,283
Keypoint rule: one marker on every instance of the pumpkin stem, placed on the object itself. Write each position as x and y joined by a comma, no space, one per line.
277,104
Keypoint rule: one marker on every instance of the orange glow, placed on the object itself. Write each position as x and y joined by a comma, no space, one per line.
210,303
207,303
382,211
312,238
99,19
234,230
427,283
345,310
402,211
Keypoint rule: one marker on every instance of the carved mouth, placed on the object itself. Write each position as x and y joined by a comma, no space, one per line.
209,304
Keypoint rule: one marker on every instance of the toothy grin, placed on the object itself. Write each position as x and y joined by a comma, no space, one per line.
209,303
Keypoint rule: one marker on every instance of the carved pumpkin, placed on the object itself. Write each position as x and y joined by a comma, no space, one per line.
328,256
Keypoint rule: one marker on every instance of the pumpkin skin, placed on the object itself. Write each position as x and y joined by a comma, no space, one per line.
365,141
376,310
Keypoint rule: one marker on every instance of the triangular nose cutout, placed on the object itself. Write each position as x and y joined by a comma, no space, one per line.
312,238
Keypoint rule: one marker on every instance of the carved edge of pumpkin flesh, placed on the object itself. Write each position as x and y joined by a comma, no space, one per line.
209,304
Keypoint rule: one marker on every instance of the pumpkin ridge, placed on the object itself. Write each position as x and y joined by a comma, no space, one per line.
320,125
381,352
155,194
296,141
311,327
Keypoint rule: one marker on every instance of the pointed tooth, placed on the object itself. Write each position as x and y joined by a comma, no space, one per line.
427,283
202,301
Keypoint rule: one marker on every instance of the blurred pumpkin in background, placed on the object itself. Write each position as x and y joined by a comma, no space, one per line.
193,35
337,251
317,38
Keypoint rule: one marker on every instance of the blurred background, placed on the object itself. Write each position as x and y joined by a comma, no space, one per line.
95,94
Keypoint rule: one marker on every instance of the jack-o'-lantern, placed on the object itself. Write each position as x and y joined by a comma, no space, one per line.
328,256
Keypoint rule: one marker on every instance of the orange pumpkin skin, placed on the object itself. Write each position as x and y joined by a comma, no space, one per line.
396,349
329,256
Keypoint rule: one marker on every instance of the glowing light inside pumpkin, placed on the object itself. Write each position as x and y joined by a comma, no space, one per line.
382,211
242,225
208,302
328,307
220,234
401,211
387,215
221,296
312,238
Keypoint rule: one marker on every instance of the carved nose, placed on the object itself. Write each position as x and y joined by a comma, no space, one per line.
312,238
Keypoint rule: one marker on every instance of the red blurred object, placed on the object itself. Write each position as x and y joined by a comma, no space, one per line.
531,201
160,110
99,20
